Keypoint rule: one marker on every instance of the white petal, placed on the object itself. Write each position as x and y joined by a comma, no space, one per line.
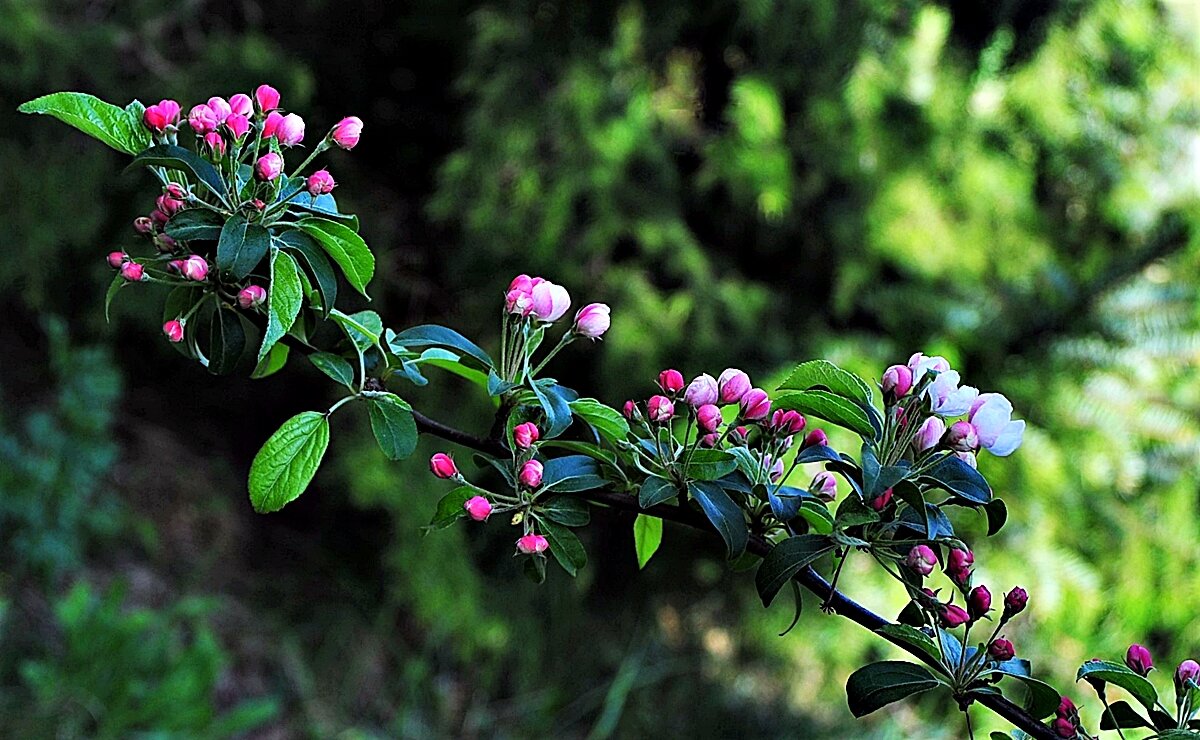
991,418
1009,440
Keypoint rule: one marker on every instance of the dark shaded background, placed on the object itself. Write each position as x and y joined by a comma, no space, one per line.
755,183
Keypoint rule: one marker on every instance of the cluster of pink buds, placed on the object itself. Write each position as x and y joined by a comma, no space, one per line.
1066,723
530,305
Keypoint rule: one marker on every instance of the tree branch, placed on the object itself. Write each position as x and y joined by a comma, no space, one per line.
808,577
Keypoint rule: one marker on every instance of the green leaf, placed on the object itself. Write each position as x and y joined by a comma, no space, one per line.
1120,675
335,367
911,637
177,158
195,224
346,248
830,407
647,536
817,515
572,473
439,336
113,287
878,684
878,478
363,328
565,546
607,421
997,515
450,508
227,341
724,515
555,406
393,425
121,129
823,374
785,560
283,300
285,465
272,363
567,510
1041,698
242,245
311,254
706,465
1120,714
323,205
655,490
960,479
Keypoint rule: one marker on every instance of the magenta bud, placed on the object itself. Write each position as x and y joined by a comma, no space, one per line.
1065,728
710,440
816,438
708,417
1001,649
775,471
133,272
1186,675
1137,657
671,381
159,218
202,119
961,437
930,434
220,108
347,132
174,330
630,410
732,385
880,502
289,131
532,544
268,167
251,296
143,225
531,474
165,243
524,435
897,381
660,409
921,560
320,183
195,268
755,404
241,105
1066,708
442,465
169,205
979,602
952,616
116,259
958,565
740,435
175,266
478,508
266,98
824,486
593,320
1014,602
214,145
702,390
237,125
160,116
788,422
271,123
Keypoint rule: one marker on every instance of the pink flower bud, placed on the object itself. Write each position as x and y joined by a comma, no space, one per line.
732,385
214,145
1066,708
979,601
1001,649
268,167
953,616
195,268
897,381
958,566
630,410
1014,602
549,301
708,417
532,544
168,205
921,559
175,190
710,440
755,404
816,438
251,296
241,106
787,422
961,437
174,331
930,434
740,435
824,486
968,458
1137,657
880,502
775,471
290,130
220,108
258,204
671,381
267,98
133,272
593,320
271,123
660,409
478,508
1186,675
237,125
161,115
531,474
202,119
116,259
524,435
442,465
159,218
347,132
702,390
1065,728
175,266
320,183
143,225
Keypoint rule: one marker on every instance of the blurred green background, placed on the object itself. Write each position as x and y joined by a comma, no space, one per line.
1012,184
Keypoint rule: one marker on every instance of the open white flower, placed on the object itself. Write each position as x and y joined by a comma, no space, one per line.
991,415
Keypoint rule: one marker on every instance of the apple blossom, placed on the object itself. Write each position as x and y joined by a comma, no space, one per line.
930,434
173,329
251,296
241,105
701,391
991,416
266,98
442,465
133,272
708,417
921,559
755,404
1001,649
897,381
671,381
532,544
290,130
268,167
732,385
592,320
531,474
195,268
525,434
202,119
1137,657
660,409
320,183
116,259
478,508
347,132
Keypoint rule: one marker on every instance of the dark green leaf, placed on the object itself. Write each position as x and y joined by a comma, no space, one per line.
393,425
564,546
961,480
113,287
785,560
817,515
798,602
346,248
121,129
184,160
1041,698
723,513
272,363
195,224
242,246
363,328
830,407
535,569
656,490
934,524
905,635
318,264
556,408
823,374
227,341
997,515
335,367
607,421
647,536
283,300
324,205
439,336
567,510
1120,675
817,453
878,684
572,473
285,465
450,508
709,465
